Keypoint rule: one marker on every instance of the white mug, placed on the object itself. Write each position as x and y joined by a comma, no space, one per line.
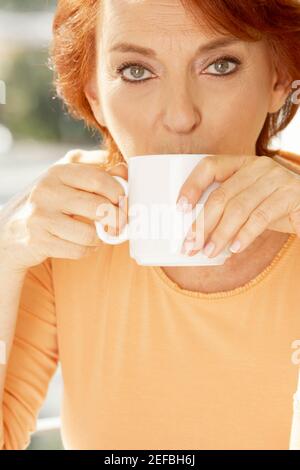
156,229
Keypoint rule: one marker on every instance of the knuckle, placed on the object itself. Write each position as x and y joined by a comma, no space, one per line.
276,171
237,207
224,230
61,165
264,161
36,213
34,195
72,156
218,196
259,218
41,192
54,170
208,161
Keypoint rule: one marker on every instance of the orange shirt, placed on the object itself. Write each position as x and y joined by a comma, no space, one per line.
149,365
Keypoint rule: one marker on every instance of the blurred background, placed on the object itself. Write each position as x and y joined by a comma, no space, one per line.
35,131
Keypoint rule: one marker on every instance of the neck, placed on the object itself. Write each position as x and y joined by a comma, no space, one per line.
236,270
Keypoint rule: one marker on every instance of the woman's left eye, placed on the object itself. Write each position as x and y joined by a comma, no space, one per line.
223,66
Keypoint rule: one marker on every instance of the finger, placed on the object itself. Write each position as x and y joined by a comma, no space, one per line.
91,179
114,218
239,208
94,207
294,220
271,209
90,157
104,212
220,198
72,230
111,230
58,248
208,170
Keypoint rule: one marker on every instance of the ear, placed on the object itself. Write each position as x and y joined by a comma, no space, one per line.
281,88
92,95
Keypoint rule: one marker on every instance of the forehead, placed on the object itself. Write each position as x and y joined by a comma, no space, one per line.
120,17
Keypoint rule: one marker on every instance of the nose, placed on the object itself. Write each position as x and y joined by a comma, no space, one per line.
181,114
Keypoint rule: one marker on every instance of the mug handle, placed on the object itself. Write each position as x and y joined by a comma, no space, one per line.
104,236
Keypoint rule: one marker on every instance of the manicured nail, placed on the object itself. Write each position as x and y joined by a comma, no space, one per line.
184,205
209,248
235,246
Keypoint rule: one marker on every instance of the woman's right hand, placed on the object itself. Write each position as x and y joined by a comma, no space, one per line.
45,225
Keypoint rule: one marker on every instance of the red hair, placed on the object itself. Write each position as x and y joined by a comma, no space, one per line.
73,52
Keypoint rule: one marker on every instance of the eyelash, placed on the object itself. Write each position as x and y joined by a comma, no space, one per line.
126,65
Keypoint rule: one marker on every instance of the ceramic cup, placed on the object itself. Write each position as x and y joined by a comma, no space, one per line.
156,229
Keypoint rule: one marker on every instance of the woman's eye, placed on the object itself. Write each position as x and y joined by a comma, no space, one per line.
224,66
135,73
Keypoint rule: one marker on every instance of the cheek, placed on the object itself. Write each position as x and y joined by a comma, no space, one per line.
234,116
241,111
130,112
122,109
128,120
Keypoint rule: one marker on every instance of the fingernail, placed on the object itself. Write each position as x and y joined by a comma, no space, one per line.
184,205
235,246
209,248
186,247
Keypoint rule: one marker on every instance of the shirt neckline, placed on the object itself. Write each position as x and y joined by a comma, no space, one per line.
237,290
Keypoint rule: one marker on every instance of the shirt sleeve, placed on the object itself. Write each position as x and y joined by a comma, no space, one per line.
33,358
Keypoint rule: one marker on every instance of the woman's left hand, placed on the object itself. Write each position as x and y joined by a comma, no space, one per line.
255,194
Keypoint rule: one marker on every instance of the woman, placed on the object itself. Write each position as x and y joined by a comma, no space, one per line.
153,357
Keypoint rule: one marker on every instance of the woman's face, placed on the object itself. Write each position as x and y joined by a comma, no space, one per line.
187,93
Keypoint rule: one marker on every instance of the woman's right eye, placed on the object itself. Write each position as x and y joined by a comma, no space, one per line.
136,71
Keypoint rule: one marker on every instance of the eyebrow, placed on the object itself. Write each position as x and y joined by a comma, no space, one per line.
126,47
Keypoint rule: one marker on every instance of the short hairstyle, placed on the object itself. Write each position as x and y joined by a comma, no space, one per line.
73,52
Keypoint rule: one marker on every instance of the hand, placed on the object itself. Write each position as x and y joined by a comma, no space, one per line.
49,221
255,194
